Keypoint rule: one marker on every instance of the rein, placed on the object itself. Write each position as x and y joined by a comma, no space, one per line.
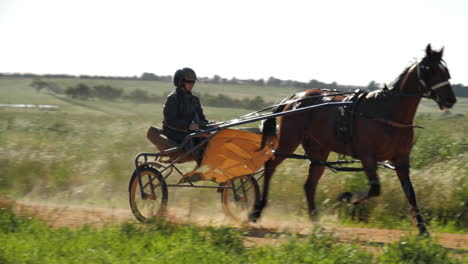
256,113
295,100
395,123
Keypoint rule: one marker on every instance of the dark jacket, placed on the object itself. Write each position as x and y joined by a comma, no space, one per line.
180,109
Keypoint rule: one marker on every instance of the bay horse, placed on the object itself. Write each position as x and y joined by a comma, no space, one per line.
381,128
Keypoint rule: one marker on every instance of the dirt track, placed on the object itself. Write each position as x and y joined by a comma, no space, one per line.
75,216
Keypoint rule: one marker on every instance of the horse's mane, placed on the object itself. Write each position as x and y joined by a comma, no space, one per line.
395,85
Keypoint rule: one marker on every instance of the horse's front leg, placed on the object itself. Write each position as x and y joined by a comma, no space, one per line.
402,167
370,167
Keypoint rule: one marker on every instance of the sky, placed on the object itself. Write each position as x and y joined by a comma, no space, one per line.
348,42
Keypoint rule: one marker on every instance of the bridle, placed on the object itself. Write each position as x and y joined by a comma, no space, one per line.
424,90
428,91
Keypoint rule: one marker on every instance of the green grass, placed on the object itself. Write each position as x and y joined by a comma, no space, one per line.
28,241
83,153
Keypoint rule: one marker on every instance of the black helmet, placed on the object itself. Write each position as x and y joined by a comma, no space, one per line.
184,74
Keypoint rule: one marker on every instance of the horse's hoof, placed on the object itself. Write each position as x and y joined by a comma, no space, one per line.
254,215
423,233
313,216
344,197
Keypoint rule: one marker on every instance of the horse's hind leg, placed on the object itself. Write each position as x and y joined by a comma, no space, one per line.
270,167
315,173
287,145
402,168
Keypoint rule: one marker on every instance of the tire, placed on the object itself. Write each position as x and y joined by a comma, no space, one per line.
248,194
154,205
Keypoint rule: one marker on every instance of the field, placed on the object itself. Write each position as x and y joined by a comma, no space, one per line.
82,154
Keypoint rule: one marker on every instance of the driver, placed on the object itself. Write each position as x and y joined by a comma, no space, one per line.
182,110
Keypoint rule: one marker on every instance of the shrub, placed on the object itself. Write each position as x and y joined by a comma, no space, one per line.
107,92
80,91
140,96
415,250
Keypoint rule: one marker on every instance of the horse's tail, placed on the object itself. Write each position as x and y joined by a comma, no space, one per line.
269,126
268,131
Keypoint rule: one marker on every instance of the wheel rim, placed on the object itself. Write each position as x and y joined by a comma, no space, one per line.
153,205
237,204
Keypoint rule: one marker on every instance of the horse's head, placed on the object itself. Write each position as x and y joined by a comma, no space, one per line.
434,78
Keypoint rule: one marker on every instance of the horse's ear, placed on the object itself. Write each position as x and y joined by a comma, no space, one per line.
428,49
441,52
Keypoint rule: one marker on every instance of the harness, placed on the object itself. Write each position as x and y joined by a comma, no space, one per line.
345,118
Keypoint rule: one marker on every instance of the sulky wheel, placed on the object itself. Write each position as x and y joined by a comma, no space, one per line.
152,204
239,199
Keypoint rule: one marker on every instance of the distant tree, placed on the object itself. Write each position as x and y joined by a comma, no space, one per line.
317,85
80,91
149,76
372,86
272,81
84,91
140,96
156,98
216,79
39,84
234,81
107,92
259,82
460,90
255,103
55,88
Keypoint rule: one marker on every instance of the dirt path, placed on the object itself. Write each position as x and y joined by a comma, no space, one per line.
76,216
